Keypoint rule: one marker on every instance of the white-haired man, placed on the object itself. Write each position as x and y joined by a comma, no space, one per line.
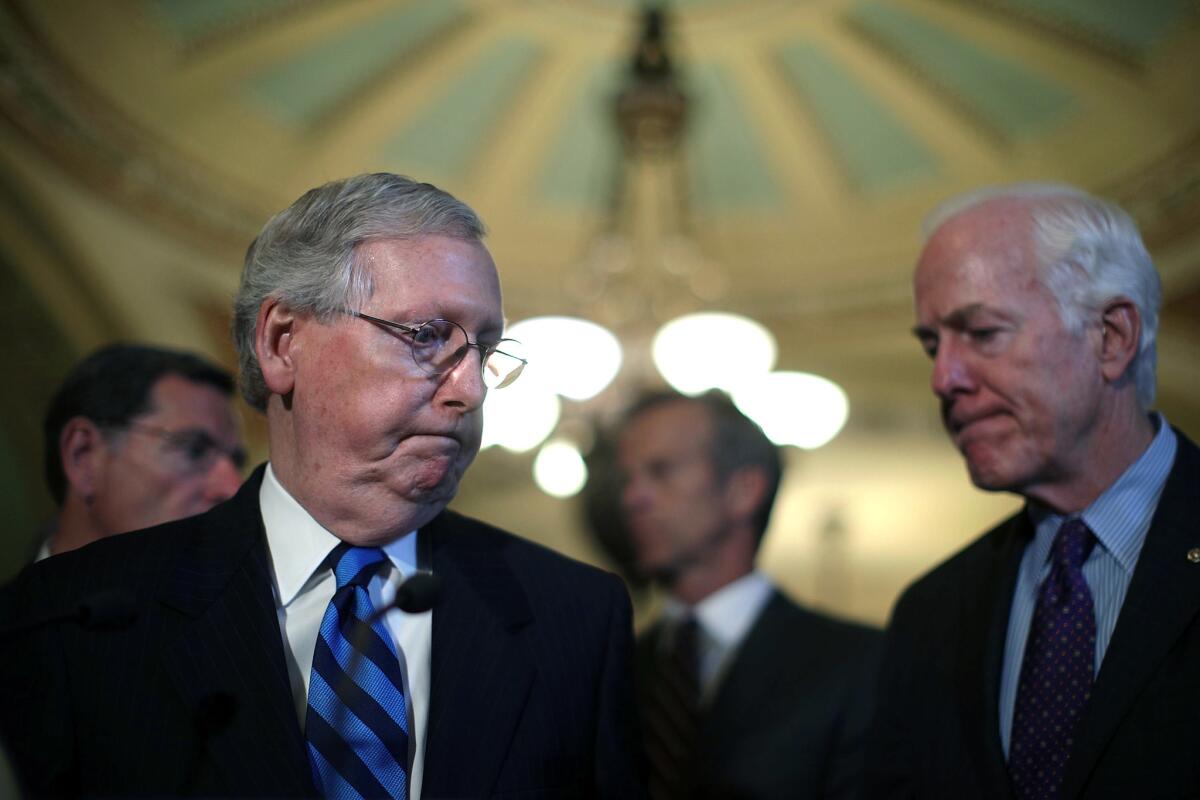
266,657
1056,656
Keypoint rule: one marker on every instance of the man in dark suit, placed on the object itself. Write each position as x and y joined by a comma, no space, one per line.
1056,656
136,436
266,656
743,693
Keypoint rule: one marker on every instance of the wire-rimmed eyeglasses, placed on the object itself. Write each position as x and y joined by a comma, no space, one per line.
440,345
198,449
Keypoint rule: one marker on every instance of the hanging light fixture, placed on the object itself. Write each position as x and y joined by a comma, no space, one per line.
569,356
519,417
712,350
559,470
795,408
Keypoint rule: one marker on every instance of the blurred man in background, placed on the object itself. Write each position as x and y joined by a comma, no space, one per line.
136,436
1057,655
743,694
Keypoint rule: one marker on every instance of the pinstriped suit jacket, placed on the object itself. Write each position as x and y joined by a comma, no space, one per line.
531,692
937,729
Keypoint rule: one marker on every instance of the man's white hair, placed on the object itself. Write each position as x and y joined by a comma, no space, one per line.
1089,252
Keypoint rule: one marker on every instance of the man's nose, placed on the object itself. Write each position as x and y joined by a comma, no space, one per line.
951,370
463,385
224,479
634,494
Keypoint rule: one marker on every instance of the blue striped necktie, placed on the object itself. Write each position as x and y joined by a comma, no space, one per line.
357,720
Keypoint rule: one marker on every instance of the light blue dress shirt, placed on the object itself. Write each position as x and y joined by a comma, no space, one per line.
1120,519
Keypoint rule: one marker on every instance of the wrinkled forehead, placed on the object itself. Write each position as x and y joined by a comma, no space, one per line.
179,402
670,429
440,275
992,242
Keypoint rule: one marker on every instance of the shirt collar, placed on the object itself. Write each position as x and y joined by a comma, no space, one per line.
1120,517
299,545
727,614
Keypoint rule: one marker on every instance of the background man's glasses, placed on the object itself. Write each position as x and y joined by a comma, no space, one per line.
198,450
440,345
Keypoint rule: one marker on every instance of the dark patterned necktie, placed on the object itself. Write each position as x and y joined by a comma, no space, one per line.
672,717
1056,676
357,720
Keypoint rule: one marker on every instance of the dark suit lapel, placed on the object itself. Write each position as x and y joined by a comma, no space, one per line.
983,630
226,656
481,673
1163,598
752,681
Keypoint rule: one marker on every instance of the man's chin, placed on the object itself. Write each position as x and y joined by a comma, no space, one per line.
988,477
664,574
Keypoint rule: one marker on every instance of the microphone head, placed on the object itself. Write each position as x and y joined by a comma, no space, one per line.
107,609
214,713
418,593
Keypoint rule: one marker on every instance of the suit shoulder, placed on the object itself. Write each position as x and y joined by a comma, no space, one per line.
836,633
974,564
123,557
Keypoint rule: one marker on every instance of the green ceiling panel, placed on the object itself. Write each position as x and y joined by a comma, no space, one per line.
1135,26
193,20
450,129
582,163
314,81
1002,94
727,161
876,149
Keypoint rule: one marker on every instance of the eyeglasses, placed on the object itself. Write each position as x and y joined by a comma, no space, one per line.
440,345
197,448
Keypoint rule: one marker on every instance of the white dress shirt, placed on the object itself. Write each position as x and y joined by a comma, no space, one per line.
303,585
723,619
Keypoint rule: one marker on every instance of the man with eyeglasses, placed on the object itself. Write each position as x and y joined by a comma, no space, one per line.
136,436
268,657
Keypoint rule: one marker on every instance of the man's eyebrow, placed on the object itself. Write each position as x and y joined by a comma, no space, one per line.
955,319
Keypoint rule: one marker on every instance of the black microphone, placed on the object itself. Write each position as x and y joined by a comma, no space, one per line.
416,594
102,610
107,610
212,715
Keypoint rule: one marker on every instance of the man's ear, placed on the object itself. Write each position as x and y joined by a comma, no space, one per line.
745,491
273,344
1121,331
82,449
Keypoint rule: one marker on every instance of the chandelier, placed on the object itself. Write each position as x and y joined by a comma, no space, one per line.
647,303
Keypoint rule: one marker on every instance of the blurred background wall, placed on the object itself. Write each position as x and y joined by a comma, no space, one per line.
144,142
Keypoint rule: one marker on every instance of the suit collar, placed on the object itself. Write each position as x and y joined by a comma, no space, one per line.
481,670
982,630
751,683
1163,598
227,653
208,561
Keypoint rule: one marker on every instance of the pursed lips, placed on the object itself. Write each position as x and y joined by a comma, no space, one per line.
957,423
433,445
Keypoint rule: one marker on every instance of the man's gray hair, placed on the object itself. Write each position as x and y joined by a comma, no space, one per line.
1089,252
305,256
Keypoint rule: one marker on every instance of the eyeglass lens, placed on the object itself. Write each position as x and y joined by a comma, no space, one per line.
439,345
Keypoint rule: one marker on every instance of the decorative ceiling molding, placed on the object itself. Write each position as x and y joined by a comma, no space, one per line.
93,142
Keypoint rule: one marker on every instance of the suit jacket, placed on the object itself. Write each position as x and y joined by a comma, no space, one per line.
937,731
531,692
789,718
